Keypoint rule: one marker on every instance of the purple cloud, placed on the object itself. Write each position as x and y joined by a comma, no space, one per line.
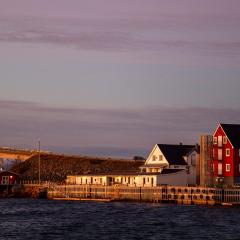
205,33
98,129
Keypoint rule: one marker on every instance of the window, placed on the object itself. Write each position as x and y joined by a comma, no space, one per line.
228,167
219,154
220,169
160,157
152,181
220,140
224,140
5,180
154,158
227,152
215,140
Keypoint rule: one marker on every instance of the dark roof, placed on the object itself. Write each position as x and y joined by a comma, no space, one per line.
9,172
233,133
114,173
175,153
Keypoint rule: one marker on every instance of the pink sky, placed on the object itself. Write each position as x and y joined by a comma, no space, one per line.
117,74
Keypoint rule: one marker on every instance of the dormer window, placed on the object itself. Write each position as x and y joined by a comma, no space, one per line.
224,140
154,158
215,140
160,157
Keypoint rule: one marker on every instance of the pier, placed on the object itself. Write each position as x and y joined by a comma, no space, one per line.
161,194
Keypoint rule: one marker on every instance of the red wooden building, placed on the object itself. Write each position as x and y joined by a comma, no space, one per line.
9,178
226,154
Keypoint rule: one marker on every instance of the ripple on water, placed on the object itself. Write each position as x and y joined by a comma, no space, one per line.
43,219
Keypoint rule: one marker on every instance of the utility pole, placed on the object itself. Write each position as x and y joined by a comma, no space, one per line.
39,162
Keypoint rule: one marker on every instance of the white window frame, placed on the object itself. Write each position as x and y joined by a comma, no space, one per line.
154,157
228,167
160,157
224,140
228,152
215,140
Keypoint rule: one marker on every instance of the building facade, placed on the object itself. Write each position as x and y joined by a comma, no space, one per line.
9,178
226,154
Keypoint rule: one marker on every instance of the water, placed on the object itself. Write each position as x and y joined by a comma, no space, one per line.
45,219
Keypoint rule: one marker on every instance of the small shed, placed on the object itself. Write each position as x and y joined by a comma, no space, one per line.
9,178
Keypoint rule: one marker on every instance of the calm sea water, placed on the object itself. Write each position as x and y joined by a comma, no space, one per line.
45,219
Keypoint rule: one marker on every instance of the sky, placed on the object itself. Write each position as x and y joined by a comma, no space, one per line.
113,78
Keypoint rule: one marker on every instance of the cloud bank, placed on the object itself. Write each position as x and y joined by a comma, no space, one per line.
106,131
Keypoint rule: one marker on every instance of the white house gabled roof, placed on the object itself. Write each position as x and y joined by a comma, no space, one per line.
175,153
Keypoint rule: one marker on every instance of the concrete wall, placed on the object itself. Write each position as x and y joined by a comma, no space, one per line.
175,179
193,163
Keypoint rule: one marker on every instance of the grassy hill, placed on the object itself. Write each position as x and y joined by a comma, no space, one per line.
56,167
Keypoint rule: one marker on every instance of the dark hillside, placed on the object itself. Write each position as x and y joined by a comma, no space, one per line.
57,167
